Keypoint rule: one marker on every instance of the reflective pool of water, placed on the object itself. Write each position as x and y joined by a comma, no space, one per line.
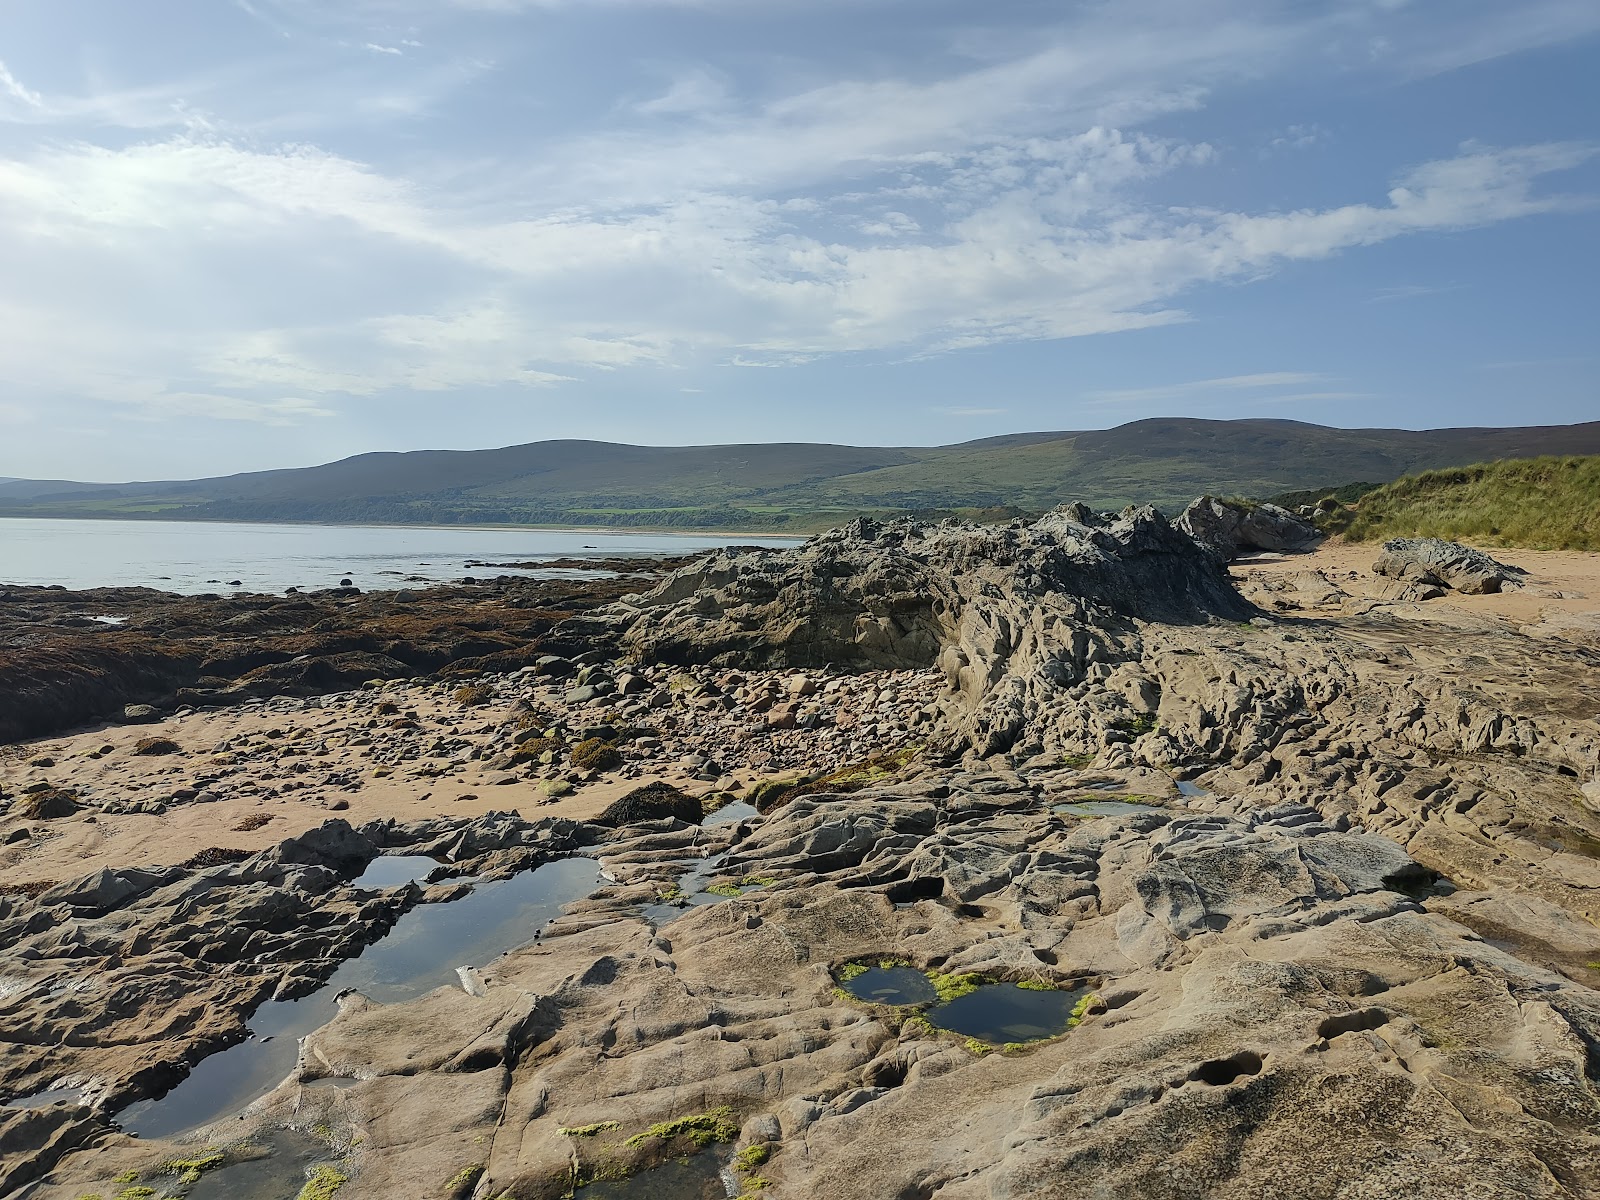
276,1169
1102,808
396,870
419,954
891,985
45,1099
1004,1012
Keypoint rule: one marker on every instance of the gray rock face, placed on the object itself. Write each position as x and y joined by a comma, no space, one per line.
1226,527
1011,613
1445,564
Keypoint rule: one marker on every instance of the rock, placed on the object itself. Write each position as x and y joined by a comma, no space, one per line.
1225,527
140,714
1591,795
45,804
1404,590
653,802
1011,613
105,890
1447,564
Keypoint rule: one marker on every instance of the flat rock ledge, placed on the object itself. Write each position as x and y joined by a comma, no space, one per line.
1270,988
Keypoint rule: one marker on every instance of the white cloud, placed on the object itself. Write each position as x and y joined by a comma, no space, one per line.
1043,242
697,92
915,212
13,87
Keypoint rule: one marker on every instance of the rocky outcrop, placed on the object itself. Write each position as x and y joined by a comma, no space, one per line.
1012,614
1227,527
1435,562
60,667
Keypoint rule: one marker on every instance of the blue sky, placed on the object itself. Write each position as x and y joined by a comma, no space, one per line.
238,234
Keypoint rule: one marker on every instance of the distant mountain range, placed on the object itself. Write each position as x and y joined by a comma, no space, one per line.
799,485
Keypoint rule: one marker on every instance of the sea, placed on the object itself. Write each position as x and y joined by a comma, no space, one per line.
196,557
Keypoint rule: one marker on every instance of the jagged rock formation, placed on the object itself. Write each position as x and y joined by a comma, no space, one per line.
1225,527
1436,562
1123,643
1015,615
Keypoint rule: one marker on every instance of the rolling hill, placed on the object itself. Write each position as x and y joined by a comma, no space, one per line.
802,486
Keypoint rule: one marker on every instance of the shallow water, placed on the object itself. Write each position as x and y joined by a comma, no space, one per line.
731,814
396,870
1103,808
45,1099
891,985
1004,1012
1185,788
278,1174
691,885
701,1177
204,556
419,954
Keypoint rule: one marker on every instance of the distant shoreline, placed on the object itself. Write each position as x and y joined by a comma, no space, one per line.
606,530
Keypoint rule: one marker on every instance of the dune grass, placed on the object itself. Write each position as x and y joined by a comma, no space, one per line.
1550,503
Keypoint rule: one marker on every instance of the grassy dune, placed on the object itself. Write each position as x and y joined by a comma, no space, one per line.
1540,503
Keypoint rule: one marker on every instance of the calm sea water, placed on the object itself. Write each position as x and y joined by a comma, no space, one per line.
195,556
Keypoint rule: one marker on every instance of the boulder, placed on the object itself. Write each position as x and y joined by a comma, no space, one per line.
653,802
1445,564
45,804
1226,527
106,890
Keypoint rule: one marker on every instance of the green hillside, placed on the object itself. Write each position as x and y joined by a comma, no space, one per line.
801,487
1540,503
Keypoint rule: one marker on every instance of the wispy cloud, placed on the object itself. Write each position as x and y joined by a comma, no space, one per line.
1054,254
1412,291
1229,383
1002,193
13,87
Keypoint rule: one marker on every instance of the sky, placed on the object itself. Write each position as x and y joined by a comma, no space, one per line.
242,234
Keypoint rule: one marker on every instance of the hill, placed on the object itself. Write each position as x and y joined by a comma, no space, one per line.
1540,503
802,486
